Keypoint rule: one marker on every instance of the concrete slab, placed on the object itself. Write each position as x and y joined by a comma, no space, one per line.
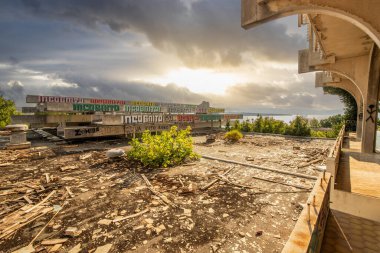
358,173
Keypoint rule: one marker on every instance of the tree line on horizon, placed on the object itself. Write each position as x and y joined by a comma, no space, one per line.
300,126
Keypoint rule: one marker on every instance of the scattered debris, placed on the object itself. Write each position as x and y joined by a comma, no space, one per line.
26,249
69,167
132,212
161,196
259,233
75,249
105,222
210,138
310,163
131,216
215,180
249,158
112,153
104,249
72,231
54,241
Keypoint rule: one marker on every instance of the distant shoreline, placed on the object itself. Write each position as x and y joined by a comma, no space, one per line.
262,114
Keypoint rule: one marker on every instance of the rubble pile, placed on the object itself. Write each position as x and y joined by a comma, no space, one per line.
87,201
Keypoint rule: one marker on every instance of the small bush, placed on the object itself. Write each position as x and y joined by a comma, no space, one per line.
233,136
167,149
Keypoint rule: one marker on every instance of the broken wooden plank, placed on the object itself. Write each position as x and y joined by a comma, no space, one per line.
40,203
215,180
27,199
224,179
69,167
26,249
158,194
283,183
47,178
132,215
69,192
76,249
103,249
12,229
42,229
55,248
310,163
54,241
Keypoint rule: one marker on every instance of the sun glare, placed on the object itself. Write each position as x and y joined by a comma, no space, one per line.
200,80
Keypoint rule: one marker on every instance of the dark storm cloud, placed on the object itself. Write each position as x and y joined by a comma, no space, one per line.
13,90
207,34
104,89
127,90
83,42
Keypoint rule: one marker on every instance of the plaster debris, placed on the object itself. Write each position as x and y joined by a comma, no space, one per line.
111,207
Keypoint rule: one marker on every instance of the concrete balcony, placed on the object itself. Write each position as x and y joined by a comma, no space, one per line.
309,61
322,79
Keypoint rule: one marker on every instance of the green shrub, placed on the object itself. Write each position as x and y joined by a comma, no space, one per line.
331,121
258,124
228,125
233,136
298,127
245,126
324,134
319,134
237,125
314,123
169,148
7,109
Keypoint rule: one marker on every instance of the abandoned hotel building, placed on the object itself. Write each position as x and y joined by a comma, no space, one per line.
344,41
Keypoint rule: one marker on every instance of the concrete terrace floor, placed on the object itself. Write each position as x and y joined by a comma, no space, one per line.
362,235
358,173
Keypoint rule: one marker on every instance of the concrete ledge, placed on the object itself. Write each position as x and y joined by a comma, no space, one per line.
307,235
17,127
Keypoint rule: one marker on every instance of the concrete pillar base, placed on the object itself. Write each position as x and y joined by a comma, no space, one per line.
24,145
18,137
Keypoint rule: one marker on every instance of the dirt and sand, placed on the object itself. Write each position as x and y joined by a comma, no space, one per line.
84,202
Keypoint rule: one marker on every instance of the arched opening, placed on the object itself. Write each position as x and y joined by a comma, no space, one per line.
350,105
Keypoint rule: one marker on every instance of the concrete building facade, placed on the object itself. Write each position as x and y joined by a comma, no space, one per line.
344,38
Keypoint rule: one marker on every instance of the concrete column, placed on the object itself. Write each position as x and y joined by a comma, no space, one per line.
359,124
61,128
18,137
371,103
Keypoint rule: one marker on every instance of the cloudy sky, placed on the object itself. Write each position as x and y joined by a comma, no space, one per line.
182,51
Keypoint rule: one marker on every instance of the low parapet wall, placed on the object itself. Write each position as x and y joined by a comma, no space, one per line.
307,235
332,162
356,204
